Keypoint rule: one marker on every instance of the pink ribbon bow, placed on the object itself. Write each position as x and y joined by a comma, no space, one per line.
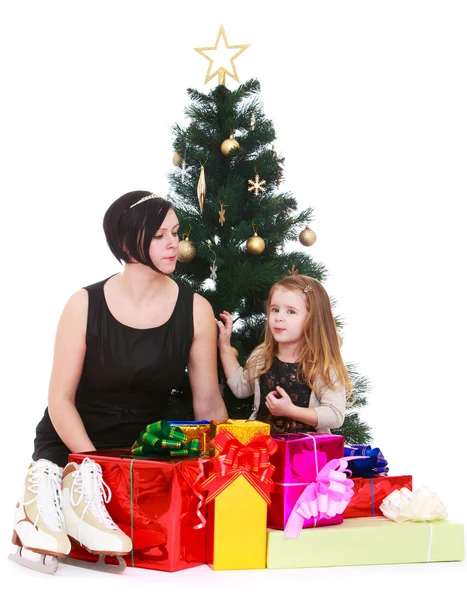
326,497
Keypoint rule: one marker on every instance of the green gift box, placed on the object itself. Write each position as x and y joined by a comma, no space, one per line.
367,541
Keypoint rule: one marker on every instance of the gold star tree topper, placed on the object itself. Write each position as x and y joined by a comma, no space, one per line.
219,56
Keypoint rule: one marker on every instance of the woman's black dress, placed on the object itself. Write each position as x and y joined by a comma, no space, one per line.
128,375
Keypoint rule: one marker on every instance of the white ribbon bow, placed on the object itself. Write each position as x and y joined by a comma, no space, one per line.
405,505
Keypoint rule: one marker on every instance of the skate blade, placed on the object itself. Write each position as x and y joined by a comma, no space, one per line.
99,565
49,568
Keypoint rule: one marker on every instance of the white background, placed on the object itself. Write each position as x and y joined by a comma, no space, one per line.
369,102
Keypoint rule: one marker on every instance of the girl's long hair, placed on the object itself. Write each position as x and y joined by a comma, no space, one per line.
318,352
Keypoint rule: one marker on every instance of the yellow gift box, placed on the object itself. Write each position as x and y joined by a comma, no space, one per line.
237,516
243,430
195,431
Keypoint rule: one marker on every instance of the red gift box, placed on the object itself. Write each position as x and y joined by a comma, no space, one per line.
370,492
153,501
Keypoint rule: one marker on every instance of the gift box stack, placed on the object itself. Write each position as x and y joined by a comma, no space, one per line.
372,484
183,506
364,536
228,494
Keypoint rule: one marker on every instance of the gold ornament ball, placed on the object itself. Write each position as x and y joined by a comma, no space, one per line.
255,244
186,251
177,159
228,145
307,237
235,351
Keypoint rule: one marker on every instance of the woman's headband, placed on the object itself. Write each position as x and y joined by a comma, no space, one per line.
144,199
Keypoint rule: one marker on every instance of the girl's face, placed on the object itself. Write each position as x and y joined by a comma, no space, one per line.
287,315
164,245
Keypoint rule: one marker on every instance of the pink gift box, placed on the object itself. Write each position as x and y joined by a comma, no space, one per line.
297,465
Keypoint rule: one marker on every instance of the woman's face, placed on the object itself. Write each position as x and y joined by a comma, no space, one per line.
164,246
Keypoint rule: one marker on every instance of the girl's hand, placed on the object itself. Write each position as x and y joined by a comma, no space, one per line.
225,329
279,403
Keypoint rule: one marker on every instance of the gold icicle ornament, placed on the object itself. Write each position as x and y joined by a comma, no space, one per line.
201,191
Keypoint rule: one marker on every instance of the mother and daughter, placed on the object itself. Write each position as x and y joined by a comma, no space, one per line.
124,343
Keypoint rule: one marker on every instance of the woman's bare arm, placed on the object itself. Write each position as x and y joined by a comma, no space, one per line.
69,352
202,365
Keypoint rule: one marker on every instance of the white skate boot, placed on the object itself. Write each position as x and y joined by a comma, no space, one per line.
39,524
87,521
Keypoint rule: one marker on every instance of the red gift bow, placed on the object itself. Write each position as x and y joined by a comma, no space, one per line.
250,460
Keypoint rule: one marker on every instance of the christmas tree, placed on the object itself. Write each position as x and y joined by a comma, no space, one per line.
235,223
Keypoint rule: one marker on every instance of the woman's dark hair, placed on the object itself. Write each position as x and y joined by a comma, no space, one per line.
129,229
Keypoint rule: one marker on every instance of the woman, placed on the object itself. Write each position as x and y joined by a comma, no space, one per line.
121,346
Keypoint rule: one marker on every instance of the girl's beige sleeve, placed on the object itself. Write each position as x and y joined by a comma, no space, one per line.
242,382
331,409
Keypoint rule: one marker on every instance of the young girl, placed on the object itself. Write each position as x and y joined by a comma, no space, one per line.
297,375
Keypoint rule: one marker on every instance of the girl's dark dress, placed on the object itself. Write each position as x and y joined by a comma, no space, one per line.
128,375
284,375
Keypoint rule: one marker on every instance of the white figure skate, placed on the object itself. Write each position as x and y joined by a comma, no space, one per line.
39,523
87,521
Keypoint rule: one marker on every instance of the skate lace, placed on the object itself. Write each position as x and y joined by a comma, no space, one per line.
90,486
46,485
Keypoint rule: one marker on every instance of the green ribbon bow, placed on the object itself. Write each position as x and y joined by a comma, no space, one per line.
162,438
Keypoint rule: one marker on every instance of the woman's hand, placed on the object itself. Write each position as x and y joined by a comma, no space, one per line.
279,403
225,329
229,361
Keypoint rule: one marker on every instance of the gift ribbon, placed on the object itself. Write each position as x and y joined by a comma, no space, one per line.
405,505
188,423
372,489
162,438
132,521
326,497
250,460
200,497
367,461
430,543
